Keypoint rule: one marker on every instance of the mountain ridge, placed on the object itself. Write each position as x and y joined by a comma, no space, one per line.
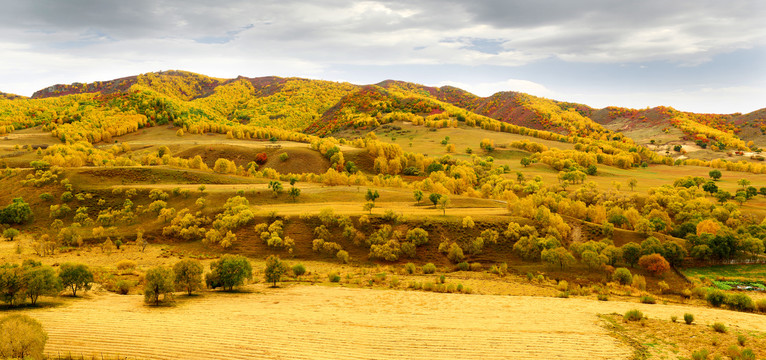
324,107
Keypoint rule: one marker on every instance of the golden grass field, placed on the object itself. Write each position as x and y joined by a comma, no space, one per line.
323,322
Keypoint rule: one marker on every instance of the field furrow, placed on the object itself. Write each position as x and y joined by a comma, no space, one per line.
315,322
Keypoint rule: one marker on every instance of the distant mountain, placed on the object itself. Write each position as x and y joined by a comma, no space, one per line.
324,107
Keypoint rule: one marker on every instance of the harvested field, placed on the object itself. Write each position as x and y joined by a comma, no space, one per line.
318,322
314,322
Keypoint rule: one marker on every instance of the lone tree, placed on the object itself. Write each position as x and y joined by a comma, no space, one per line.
276,187
159,281
75,277
274,269
444,202
21,337
10,234
710,187
41,280
294,192
434,198
228,272
654,263
715,174
418,195
372,195
188,275
11,283
17,212
526,161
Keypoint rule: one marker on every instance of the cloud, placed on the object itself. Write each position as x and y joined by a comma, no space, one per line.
488,88
78,39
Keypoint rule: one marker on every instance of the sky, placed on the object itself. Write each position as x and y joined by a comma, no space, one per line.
704,56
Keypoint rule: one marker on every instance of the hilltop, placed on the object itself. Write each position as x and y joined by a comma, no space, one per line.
324,107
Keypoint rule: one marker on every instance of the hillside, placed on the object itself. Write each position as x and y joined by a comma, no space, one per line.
187,199
323,107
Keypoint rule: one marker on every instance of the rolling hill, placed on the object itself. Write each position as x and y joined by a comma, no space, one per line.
325,107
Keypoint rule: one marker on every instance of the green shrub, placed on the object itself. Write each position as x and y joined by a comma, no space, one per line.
343,256
719,327
747,354
740,302
429,268
463,266
476,266
716,298
603,297
633,315
741,339
701,354
410,268
333,277
126,265
648,299
299,269
623,276
563,285
123,287
673,318
688,318
563,295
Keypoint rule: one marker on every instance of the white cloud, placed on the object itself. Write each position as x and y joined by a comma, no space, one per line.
724,100
488,88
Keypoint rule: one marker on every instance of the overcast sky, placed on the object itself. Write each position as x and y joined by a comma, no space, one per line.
693,55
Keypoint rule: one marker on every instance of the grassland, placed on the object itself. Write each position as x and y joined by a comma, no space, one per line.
373,311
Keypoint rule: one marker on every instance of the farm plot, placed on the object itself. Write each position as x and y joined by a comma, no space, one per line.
317,322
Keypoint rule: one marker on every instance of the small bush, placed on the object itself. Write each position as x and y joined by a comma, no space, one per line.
741,339
126,265
688,318
740,302
563,295
747,354
603,297
284,156
429,268
633,315
343,256
716,298
673,318
719,327
623,276
299,269
563,285
476,266
123,287
701,354
463,266
648,299
699,292
333,277
409,268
